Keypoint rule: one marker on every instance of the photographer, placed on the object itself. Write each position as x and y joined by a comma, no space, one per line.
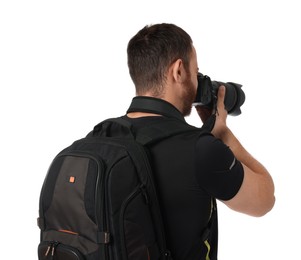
193,168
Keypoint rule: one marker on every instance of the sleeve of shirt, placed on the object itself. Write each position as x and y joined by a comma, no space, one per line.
217,170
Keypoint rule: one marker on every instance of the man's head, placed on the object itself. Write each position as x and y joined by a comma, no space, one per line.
162,63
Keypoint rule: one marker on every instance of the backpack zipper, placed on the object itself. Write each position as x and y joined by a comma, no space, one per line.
51,248
149,172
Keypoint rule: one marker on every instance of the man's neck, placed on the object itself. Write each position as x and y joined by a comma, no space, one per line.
140,114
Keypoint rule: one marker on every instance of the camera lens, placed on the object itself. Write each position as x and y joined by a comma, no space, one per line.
234,98
207,94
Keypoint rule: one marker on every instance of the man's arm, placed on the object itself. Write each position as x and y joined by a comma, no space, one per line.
256,194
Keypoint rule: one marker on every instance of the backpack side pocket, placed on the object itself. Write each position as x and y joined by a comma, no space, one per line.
137,227
58,251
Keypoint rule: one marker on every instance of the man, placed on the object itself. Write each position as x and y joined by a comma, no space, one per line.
191,169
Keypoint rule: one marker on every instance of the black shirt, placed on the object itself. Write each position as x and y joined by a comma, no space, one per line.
189,170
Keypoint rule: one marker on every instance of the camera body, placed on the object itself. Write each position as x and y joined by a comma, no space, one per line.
207,94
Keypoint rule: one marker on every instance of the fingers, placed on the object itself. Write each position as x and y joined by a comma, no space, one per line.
219,110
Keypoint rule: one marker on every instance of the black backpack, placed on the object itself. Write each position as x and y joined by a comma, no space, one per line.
98,200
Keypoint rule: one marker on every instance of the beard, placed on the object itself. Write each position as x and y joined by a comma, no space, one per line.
188,97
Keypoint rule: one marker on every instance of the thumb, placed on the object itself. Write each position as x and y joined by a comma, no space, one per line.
221,97
221,92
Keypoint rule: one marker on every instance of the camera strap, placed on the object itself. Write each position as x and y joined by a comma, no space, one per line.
156,106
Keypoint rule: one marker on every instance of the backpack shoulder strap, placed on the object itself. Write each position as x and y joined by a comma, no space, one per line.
173,124
119,127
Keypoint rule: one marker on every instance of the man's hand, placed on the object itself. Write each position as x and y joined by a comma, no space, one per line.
204,112
221,114
214,119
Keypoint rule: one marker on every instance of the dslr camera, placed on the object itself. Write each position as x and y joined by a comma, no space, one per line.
207,94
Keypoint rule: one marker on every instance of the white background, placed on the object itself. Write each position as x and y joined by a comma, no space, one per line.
63,69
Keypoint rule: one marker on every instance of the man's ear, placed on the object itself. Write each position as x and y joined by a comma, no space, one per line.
177,70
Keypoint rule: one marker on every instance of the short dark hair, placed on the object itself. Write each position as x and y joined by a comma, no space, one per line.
152,50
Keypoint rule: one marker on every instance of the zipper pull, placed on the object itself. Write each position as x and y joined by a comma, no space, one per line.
52,251
54,245
48,249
